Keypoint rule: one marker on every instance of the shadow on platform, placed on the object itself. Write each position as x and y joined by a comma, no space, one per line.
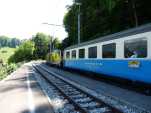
19,83
40,109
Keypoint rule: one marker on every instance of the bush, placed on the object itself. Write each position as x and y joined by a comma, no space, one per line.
3,72
11,68
4,51
23,53
7,69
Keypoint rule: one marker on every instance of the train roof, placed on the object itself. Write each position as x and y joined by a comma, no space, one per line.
133,31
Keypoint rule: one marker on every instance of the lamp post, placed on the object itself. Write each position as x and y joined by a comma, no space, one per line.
79,16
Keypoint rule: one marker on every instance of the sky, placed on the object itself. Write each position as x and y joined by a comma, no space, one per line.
23,18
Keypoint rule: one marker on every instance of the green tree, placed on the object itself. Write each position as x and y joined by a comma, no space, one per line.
103,17
23,53
65,43
41,45
56,43
9,42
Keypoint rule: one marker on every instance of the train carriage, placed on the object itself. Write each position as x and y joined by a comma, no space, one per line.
125,55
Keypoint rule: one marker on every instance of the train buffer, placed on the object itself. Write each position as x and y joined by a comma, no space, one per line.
20,93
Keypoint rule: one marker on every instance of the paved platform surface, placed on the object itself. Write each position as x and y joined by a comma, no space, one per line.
128,96
20,93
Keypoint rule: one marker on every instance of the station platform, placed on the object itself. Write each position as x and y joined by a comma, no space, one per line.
20,93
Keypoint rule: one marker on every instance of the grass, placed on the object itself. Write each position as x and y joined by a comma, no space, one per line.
5,53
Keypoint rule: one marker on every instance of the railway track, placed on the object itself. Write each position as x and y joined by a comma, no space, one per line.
82,101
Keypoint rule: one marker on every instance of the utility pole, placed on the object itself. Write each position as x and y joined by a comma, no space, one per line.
79,15
134,12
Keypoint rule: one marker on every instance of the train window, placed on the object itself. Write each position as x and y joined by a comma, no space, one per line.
92,52
109,50
136,48
81,53
74,54
68,55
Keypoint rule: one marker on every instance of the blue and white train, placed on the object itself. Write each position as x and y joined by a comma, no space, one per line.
125,55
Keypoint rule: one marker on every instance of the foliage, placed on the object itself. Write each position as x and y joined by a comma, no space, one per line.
103,17
41,45
65,43
23,53
56,43
9,42
36,48
7,69
11,58
5,54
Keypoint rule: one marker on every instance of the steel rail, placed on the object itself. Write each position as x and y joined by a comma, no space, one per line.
78,107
